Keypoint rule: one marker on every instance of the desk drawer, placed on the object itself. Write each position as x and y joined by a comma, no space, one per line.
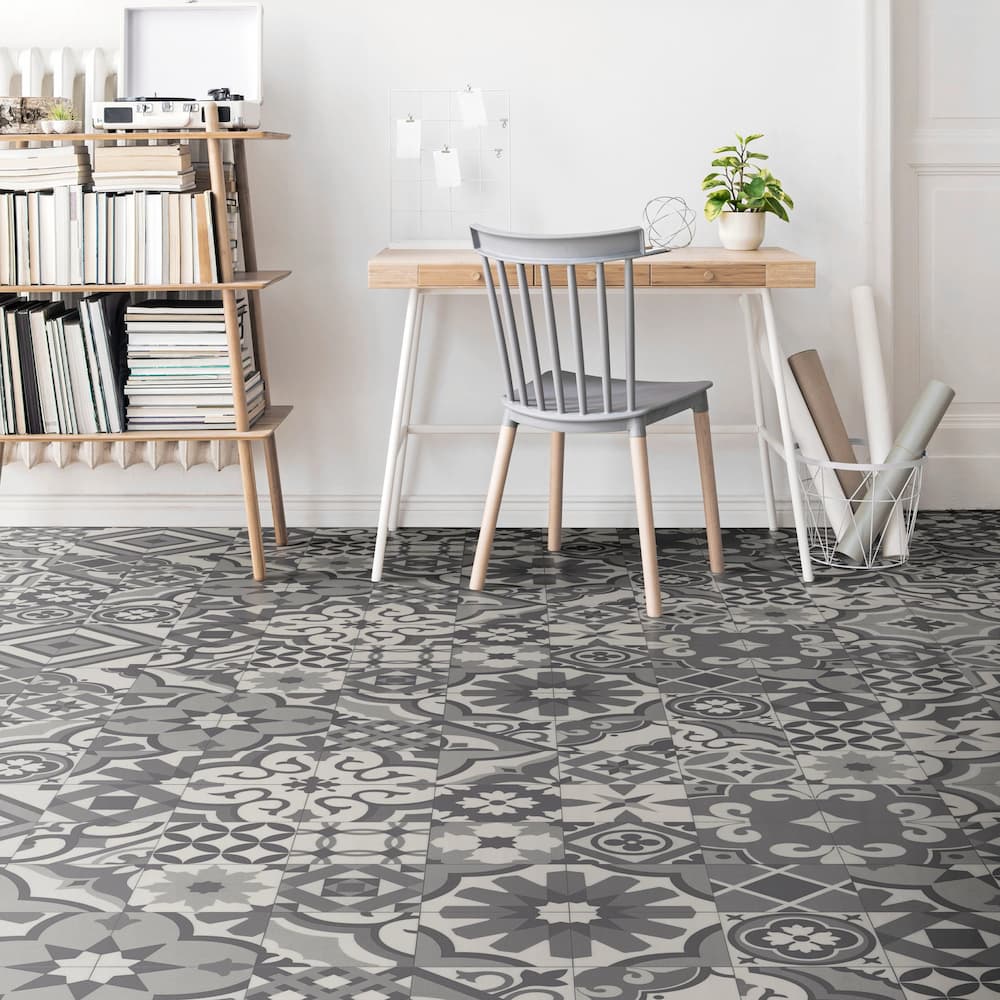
464,275
586,275
698,276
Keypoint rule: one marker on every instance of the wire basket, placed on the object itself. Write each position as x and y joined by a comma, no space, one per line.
870,529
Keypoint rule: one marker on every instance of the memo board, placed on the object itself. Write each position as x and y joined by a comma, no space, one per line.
424,213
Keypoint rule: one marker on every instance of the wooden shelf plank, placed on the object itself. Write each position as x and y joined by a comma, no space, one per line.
273,417
251,280
186,134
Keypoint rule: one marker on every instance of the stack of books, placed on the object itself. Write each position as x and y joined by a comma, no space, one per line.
143,168
45,168
179,375
62,369
70,236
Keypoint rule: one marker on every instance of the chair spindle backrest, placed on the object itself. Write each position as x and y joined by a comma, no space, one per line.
501,250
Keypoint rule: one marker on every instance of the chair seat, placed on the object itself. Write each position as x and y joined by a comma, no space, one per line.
653,401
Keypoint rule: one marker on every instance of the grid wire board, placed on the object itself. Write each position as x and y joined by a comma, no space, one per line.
425,214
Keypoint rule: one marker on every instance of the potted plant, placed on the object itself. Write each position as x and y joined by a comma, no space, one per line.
741,193
61,120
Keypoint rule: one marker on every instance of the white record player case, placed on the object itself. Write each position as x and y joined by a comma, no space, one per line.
181,51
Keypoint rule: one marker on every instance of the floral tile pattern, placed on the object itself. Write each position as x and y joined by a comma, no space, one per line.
315,786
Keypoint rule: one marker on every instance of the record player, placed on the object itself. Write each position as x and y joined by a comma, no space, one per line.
189,49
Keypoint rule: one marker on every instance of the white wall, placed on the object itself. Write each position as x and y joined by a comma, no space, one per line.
947,183
610,105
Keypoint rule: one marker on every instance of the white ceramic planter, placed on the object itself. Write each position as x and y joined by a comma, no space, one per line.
742,230
63,127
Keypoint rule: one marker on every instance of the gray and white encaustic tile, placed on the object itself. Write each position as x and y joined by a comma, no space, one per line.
316,786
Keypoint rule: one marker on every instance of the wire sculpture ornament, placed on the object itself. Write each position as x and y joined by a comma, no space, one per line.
669,222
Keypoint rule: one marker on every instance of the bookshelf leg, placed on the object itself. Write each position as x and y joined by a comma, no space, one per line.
274,486
253,509
397,489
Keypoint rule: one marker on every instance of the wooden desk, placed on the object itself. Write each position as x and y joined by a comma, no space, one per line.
748,275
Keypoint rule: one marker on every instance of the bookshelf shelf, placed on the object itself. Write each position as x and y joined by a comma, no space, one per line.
272,418
241,281
175,134
251,282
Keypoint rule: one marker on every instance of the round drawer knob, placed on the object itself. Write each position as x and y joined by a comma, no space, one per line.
709,275
477,275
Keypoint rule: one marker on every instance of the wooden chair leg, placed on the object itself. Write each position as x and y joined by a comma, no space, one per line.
556,464
501,463
274,487
647,534
706,465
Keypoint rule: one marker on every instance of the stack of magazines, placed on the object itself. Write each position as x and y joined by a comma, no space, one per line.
61,369
143,168
179,374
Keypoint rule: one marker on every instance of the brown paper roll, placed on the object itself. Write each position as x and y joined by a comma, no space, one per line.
811,378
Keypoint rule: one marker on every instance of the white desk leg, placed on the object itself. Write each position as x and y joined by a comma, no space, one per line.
397,488
787,440
747,305
395,429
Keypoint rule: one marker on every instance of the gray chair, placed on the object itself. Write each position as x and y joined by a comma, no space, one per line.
567,395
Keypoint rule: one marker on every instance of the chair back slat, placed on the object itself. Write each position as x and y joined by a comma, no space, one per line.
550,325
629,337
574,321
498,249
602,319
498,332
513,342
529,335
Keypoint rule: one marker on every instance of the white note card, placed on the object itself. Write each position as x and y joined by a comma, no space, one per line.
446,169
407,139
472,108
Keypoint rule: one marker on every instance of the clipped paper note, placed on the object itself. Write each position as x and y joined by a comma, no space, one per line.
407,139
446,168
472,108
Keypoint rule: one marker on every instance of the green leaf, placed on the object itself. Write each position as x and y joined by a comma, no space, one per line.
713,209
775,206
728,161
714,185
740,139
787,200
754,137
726,149
758,156
755,187
710,176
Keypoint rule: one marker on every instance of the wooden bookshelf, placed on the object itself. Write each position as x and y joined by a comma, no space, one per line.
252,281
242,281
184,135
269,422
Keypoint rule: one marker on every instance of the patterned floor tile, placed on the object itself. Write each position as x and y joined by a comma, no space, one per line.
507,801
949,983
627,983
760,889
287,979
803,938
492,984
331,888
925,887
457,843
360,843
772,825
940,939
637,886
834,983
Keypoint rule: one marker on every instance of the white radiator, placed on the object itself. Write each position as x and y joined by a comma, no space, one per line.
84,77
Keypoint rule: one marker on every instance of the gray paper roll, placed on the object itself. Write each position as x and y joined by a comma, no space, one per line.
910,444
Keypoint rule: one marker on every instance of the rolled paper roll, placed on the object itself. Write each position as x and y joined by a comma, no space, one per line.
910,444
838,510
875,393
815,387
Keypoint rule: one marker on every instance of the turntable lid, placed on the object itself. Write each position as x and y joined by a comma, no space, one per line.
186,50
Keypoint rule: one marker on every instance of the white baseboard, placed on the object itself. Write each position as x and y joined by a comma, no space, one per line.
461,510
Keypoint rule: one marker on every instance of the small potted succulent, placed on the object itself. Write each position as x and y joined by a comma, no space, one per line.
61,120
741,193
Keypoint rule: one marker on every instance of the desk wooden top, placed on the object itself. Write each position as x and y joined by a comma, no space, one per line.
690,267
